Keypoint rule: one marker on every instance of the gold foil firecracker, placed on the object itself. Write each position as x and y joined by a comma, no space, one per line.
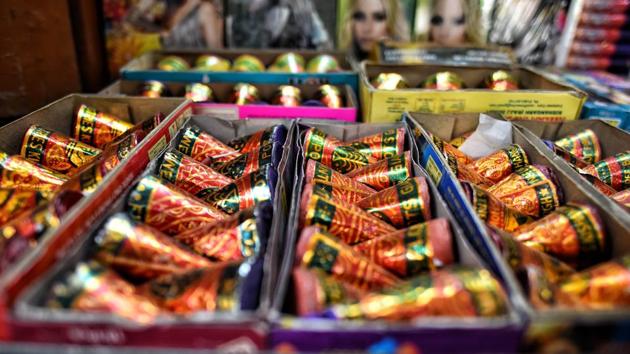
318,249
330,96
90,287
622,197
21,174
315,290
191,176
583,145
56,151
246,191
14,202
532,190
389,81
331,152
156,203
444,81
255,141
247,63
154,89
408,252
320,173
173,63
501,80
453,156
385,173
402,205
493,168
96,128
211,63
203,147
250,162
287,96
572,233
459,141
383,145
244,94
288,62
453,292
323,63
346,221
141,252
199,92
613,170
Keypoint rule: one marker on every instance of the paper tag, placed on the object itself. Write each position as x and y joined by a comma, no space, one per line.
491,135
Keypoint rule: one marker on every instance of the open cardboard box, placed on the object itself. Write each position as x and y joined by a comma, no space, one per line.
539,98
434,334
616,226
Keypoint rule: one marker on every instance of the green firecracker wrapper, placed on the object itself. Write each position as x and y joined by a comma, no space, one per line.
614,171
385,173
583,145
331,152
383,145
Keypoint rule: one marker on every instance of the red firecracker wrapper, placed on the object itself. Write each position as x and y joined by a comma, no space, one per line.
156,203
90,287
572,233
315,290
335,192
532,190
252,161
21,174
385,173
496,166
191,176
56,151
383,145
317,172
346,221
321,250
493,211
599,185
454,157
455,292
459,141
622,198
565,155
411,251
246,191
141,252
203,147
402,205
583,145
98,128
614,171
14,202
331,152
271,135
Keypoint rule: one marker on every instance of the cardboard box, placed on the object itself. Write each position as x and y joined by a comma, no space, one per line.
539,99
593,326
144,68
613,113
34,322
498,334
222,92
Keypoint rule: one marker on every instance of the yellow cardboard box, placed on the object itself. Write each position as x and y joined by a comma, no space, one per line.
539,99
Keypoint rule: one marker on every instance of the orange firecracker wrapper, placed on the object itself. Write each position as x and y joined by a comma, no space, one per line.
614,171
453,156
385,173
90,287
572,233
271,135
245,192
14,202
532,190
455,292
315,291
98,128
331,152
158,204
402,205
496,166
383,145
213,289
321,250
622,198
56,151
252,161
21,174
493,211
317,172
203,147
191,176
583,145
411,251
346,221
141,252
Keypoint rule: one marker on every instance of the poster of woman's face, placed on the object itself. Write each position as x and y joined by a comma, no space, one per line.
448,22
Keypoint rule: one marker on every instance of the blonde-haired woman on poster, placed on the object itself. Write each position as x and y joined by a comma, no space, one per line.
369,21
455,22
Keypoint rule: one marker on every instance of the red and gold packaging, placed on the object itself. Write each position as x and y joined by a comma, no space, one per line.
491,169
614,171
141,252
203,147
321,250
346,221
583,145
56,151
14,202
96,128
383,145
156,203
246,191
532,190
335,192
199,92
329,96
455,292
501,80
213,289
21,174
493,211
389,81
454,157
402,205
317,172
565,155
252,161
459,141
243,94
385,173
191,176
331,152
289,63
232,239
599,185
90,287
287,96
153,89
252,142
622,198
444,81
411,251
315,290
573,233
